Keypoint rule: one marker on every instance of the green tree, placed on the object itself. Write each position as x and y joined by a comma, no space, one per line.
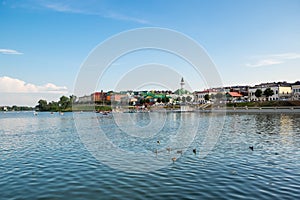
165,100
53,106
72,98
64,102
147,101
258,93
42,105
183,99
142,101
206,97
15,108
189,99
268,92
219,95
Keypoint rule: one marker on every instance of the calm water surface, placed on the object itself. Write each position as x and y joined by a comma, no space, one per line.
42,157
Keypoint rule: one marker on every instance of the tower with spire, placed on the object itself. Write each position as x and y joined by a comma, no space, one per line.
182,84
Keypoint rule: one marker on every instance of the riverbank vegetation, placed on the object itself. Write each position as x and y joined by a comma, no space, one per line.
63,105
16,108
68,104
265,104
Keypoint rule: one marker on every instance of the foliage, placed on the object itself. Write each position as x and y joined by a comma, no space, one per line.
258,93
165,100
268,92
16,108
142,101
103,108
219,95
183,99
262,104
64,104
206,97
42,105
189,99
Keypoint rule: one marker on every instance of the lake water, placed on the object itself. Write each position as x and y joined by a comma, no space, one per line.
50,156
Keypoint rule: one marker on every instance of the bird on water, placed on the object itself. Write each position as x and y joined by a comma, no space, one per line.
251,147
169,149
174,159
194,151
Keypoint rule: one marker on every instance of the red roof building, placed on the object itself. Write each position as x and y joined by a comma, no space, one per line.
235,94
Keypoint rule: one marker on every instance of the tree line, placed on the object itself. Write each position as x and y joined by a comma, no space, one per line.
16,108
63,105
267,93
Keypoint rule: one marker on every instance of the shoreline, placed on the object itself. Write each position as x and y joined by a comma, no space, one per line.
290,109
254,110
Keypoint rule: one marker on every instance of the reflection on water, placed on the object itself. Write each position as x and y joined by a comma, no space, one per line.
42,157
286,124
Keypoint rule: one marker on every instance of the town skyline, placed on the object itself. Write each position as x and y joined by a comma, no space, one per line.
245,90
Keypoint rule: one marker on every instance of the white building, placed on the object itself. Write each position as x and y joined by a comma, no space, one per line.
200,96
85,99
296,92
281,92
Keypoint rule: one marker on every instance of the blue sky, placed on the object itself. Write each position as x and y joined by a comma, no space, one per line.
43,43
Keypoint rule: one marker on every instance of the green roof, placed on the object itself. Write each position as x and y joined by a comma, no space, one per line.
181,92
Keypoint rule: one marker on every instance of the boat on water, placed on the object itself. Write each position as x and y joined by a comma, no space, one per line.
105,113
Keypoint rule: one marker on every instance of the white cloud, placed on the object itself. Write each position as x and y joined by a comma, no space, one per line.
60,7
65,8
265,62
121,17
12,85
10,51
274,59
286,56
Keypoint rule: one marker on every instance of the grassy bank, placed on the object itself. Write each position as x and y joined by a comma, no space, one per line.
265,104
79,107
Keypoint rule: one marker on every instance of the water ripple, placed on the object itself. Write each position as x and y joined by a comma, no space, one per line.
42,157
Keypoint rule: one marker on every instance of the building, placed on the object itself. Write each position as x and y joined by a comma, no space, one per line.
296,91
282,91
243,90
200,95
182,95
99,96
119,97
85,99
233,96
